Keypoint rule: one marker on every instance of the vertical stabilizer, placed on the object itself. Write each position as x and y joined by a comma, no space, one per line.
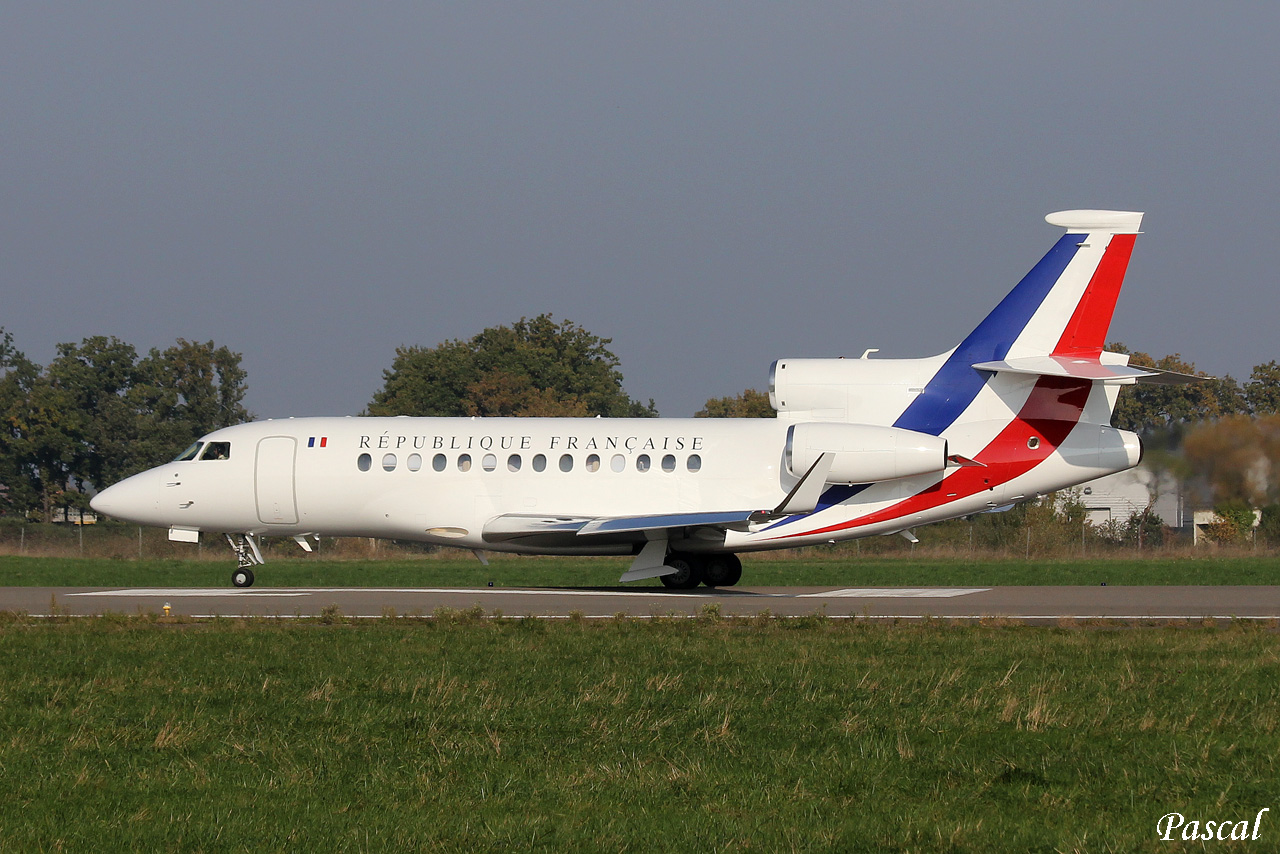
1063,306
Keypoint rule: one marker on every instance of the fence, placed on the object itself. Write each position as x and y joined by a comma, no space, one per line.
991,536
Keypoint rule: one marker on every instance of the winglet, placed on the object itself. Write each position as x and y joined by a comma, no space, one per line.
803,497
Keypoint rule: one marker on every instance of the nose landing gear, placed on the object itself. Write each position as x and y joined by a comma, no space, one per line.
247,556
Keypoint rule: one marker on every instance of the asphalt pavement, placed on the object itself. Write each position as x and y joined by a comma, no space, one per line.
1037,605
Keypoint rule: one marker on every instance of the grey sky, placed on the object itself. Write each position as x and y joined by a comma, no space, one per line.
711,185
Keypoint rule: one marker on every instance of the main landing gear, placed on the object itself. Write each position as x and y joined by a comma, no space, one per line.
247,557
714,570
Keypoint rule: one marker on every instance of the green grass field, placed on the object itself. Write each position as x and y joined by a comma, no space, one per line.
705,735
815,568
461,734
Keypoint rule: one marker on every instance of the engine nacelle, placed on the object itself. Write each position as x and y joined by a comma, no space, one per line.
864,453
868,391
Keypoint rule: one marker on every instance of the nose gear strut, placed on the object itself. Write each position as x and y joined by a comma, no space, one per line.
247,556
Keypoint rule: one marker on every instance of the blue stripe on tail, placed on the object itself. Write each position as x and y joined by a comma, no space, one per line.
956,383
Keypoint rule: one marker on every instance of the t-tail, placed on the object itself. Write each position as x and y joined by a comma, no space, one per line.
1020,408
1050,327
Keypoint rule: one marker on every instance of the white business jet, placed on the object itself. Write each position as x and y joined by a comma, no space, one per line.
860,447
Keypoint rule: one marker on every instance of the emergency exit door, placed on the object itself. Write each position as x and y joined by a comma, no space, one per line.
273,480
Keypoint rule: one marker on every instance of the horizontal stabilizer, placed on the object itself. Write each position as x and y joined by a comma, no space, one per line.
1086,369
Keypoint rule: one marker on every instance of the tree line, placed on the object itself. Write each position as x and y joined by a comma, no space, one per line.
99,412
1159,413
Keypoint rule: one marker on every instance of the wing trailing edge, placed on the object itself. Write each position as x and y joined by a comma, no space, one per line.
803,498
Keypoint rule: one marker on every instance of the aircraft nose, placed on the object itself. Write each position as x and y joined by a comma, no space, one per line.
134,499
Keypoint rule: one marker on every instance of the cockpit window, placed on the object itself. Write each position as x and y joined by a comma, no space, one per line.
217,451
189,453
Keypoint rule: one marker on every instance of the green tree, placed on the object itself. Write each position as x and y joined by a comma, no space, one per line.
749,404
18,377
1154,410
97,413
533,367
1263,389
96,375
184,392
41,442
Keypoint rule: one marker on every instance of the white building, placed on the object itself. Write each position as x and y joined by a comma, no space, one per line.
1117,496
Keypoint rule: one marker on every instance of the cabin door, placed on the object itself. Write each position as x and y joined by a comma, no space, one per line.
273,481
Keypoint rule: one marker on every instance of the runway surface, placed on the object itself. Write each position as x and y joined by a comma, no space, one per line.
1023,604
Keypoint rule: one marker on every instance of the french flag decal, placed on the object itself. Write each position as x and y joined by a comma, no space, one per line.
322,440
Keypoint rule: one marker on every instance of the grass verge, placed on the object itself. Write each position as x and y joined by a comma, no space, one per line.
717,735
504,571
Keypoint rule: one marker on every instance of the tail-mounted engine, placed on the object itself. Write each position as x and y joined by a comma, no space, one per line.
864,453
868,391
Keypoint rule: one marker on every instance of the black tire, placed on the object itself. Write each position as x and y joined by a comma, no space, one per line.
687,575
242,578
722,571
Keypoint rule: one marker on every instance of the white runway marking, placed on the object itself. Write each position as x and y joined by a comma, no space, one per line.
263,592
192,592
196,593
896,593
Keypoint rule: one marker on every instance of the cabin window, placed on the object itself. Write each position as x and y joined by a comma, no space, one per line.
642,462
464,462
669,463
695,463
189,453
488,462
217,451
618,463
364,462
593,462
414,462
514,462
540,462
389,462
439,462
566,462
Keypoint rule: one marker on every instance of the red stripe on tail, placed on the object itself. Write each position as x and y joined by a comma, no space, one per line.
1086,332
1050,414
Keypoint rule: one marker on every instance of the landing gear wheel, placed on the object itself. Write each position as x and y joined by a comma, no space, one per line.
722,571
242,577
687,575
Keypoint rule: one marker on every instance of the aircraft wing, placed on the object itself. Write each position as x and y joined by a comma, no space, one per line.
514,526
1087,369
649,532
653,530
567,530
736,520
